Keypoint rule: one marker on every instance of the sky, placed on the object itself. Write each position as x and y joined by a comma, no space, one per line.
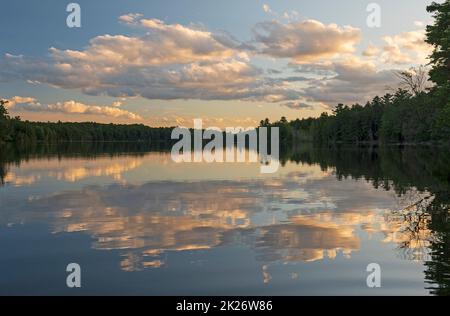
231,63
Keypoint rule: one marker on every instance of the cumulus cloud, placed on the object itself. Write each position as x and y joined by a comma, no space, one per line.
170,61
371,51
163,45
305,41
19,100
406,48
354,81
29,104
174,61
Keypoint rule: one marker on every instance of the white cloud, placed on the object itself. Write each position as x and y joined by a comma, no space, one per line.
305,41
29,104
174,61
354,81
419,23
287,15
19,100
371,51
406,48
170,61
130,18
266,8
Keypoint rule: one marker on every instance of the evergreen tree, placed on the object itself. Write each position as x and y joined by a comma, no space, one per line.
3,121
438,35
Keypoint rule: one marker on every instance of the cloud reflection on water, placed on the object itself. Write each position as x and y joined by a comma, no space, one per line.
303,214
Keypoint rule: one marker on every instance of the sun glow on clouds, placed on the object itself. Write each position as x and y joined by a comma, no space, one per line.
406,48
186,62
305,41
18,103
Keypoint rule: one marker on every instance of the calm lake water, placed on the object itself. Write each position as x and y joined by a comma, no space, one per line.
138,223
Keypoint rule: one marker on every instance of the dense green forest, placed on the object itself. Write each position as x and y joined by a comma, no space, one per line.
18,131
414,113
394,118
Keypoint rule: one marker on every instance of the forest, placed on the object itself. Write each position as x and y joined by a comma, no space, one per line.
24,132
399,118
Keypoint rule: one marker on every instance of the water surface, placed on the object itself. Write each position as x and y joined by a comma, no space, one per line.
138,223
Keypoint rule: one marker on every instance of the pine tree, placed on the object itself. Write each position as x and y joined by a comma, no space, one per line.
3,120
438,35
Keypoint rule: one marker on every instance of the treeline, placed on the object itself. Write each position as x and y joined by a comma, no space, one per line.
394,118
16,131
15,153
24,132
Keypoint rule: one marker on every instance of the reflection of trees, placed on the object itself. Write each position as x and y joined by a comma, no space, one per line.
413,235
3,167
425,223
12,154
3,172
438,268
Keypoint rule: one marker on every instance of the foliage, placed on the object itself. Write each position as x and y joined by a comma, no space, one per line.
394,118
438,35
24,132
4,118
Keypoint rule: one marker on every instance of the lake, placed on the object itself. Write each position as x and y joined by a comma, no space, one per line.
139,224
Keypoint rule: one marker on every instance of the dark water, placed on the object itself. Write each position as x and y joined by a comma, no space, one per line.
137,223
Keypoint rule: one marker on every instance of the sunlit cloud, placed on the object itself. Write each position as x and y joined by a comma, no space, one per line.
172,61
19,100
404,48
371,51
351,80
266,8
305,41
28,104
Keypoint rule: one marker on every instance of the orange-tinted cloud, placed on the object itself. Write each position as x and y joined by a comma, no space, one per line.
305,41
28,104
